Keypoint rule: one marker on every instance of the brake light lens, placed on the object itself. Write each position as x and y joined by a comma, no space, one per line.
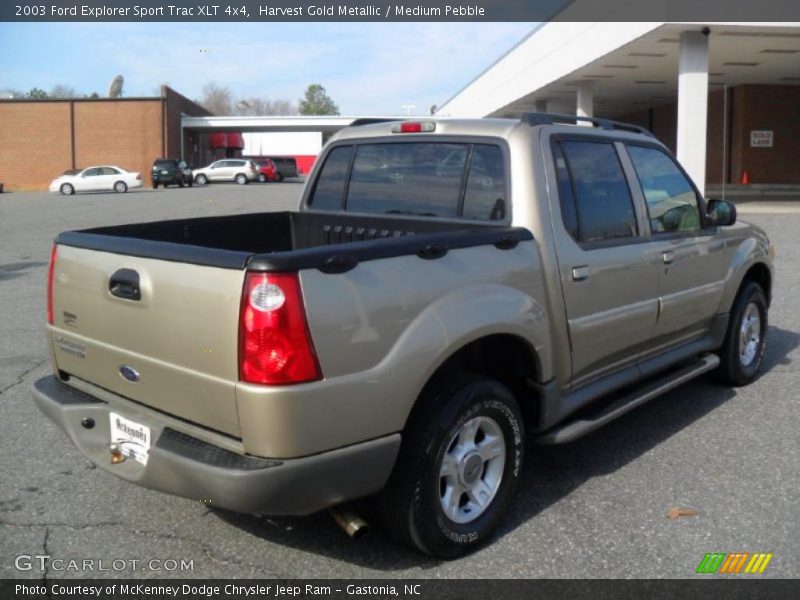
50,273
275,346
414,127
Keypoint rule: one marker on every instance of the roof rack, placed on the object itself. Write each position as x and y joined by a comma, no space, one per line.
607,124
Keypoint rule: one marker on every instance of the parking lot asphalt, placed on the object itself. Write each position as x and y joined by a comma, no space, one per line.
593,508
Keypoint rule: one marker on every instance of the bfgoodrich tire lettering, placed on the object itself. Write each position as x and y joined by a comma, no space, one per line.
411,505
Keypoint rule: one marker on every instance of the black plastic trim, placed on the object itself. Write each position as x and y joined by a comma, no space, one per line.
200,451
195,255
63,393
362,251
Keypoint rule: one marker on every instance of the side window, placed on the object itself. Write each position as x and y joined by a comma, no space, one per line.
671,199
602,198
329,190
484,197
92,172
109,171
569,212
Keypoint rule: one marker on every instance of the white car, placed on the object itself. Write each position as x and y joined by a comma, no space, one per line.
239,170
96,179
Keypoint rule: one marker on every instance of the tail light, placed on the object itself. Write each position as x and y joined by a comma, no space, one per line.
275,346
139,176
50,273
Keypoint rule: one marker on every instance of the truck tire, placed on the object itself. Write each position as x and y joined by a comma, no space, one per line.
746,338
458,467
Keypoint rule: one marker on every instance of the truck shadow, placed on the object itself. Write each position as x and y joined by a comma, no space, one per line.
551,473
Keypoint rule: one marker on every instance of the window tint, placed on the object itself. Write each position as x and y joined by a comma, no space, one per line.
671,200
407,178
484,197
329,191
602,198
569,213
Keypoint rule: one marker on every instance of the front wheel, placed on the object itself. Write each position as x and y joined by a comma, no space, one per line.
67,189
201,179
458,467
120,187
262,178
746,338
241,179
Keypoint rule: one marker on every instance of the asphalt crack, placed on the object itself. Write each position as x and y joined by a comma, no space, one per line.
21,377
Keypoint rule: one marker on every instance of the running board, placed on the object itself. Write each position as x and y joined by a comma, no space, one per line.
572,430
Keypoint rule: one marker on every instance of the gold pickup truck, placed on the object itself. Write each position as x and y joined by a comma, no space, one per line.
447,290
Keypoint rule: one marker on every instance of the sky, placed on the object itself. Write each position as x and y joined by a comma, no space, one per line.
367,68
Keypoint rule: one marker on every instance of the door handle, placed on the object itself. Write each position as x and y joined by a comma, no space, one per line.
580,273
668,256
124,283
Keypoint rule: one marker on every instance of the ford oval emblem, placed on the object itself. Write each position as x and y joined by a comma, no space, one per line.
129,373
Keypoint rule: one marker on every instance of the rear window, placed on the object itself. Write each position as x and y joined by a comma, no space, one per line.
437,179
164,163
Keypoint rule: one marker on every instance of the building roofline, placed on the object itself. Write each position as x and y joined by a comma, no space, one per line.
127,99
536,28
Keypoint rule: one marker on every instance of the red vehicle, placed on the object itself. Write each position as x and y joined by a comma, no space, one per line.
267,171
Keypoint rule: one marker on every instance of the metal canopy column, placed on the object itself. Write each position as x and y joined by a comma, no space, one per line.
693,104
585,106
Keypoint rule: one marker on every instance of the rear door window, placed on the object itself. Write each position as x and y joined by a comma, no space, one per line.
602,198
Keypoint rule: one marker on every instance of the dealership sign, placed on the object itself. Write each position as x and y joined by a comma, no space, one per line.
761,138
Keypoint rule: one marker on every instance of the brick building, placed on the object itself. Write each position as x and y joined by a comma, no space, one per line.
40,139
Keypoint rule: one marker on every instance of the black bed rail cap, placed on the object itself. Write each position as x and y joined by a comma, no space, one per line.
429,245
536,118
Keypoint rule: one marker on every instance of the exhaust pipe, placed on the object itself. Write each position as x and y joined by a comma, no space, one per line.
350,521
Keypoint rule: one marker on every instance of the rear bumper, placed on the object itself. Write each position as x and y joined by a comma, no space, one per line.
186,466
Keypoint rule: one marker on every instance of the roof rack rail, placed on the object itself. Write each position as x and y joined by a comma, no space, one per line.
373,120
607,124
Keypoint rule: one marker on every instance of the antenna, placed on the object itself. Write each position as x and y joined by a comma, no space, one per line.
115,89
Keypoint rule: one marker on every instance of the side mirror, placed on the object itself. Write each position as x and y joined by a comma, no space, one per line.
721,212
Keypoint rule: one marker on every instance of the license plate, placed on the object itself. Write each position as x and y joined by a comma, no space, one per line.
165,172
132,438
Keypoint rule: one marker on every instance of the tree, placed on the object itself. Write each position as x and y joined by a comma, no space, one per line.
317,102
63,91
264,106
217,99
37,94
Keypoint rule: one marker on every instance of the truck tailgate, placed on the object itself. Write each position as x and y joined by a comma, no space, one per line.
174,349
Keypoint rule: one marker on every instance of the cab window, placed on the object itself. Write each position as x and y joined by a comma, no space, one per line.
603,204
672,202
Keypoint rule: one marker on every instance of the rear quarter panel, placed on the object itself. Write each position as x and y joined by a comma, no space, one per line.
380,332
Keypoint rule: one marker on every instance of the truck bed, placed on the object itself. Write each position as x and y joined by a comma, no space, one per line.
289,240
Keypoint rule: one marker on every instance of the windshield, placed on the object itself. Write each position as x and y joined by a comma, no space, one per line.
435,179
